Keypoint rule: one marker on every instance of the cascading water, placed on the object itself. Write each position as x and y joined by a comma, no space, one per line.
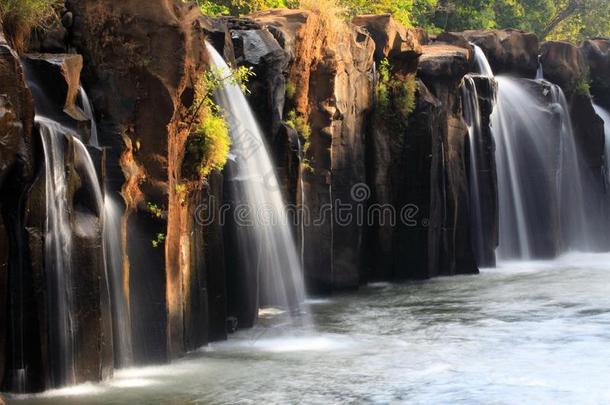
472,115
267,239
88,110
605,115
542,211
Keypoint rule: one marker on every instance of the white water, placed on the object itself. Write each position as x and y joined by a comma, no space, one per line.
605,115
527,333
266,240
481,62
121,321
58,254
88,110
472,116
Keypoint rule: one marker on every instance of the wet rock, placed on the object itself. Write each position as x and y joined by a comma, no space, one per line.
508,50
60,74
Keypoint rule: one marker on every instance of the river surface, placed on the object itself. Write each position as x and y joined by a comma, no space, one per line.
528,332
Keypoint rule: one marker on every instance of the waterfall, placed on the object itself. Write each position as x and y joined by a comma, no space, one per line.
472,116
88,110
266,241
542,208
58,254
605,115
121,321
540,71
481,62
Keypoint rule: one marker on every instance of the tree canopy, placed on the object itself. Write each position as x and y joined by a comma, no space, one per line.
572,20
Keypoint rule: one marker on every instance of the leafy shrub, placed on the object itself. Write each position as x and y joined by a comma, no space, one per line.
583,86
396,94
20,17
209,142
291,90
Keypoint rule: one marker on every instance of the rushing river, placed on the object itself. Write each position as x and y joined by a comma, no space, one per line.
523,333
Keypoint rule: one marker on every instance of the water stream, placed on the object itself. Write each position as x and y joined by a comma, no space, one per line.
265,238
527,332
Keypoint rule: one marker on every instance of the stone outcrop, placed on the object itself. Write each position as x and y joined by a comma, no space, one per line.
16,171
142,63
450,250
401,46
331,73
509,51
563,64
597,55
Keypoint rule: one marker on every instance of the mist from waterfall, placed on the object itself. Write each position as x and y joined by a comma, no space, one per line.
266,242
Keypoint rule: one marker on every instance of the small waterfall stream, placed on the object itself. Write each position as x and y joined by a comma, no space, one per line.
605,115
542,207
266,242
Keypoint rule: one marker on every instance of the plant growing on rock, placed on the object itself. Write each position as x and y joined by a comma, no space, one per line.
20,17
583,86
300,124
209,143
396,94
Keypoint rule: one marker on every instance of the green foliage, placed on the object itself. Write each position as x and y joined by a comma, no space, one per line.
300,124
155,210
396,95
209,141
291,90
583,86
158,241
20,17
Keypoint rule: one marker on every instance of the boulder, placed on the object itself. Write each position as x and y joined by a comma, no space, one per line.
508,51
392,40
450,251
445,61
597,55
563,64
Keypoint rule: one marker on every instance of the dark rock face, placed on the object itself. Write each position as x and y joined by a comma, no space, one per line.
485,151
392,40
332,76
142,63
16,172
564,65
508,51
442,68
597,55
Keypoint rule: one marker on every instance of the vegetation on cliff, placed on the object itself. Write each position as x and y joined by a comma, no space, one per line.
396,95
20,17
572,20
209,143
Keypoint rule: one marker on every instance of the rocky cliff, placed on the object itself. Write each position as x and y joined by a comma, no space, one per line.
365,122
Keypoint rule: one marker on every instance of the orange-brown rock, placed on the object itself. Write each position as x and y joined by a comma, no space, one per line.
564,64
142,63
